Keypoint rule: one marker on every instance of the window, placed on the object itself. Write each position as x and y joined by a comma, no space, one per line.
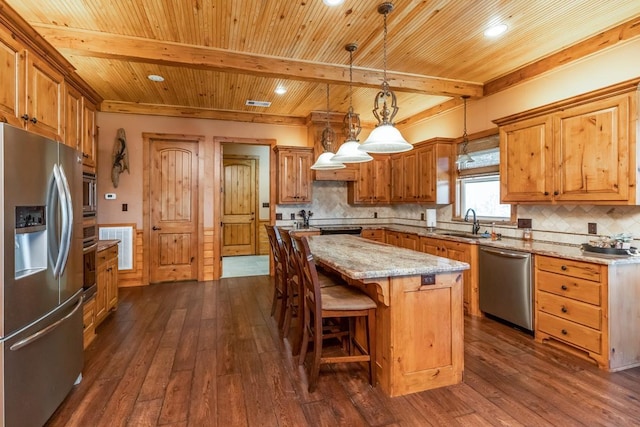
478,182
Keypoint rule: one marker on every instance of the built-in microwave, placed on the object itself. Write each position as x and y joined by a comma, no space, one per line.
89,194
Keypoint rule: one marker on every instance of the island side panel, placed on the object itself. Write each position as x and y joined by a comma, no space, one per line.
421,335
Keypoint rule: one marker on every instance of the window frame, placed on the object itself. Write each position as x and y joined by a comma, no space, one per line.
478,141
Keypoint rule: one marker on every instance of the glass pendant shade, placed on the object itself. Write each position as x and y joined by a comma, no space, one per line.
349,152
325,162
385,138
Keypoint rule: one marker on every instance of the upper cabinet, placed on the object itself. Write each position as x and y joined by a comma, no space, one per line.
89,134
294,174
373,184
423,175
32,90
39,90
582,150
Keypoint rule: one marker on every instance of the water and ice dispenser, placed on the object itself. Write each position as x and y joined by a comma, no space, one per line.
31,240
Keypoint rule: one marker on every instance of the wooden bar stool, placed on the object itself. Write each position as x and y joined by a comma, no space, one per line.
279,288
294,304
341,301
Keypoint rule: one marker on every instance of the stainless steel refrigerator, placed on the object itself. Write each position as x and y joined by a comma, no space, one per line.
41,270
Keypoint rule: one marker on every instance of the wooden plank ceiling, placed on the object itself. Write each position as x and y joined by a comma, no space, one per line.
216,54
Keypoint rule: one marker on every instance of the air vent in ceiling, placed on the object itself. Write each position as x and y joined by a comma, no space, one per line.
253,103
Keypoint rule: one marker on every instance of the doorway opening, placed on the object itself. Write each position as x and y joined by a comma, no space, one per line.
245,209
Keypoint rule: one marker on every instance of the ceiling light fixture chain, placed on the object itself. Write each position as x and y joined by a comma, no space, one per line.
385,138
464,157
328,134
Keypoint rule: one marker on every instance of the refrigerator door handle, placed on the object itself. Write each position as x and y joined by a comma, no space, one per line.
42,332
58,187
67,220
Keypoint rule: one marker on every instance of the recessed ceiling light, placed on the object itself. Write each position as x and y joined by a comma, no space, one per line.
281,90
155,78
333,2
495,30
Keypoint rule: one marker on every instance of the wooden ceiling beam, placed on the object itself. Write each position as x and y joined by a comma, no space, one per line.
199,113
126,48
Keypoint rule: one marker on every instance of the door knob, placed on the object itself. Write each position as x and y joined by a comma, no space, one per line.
154,228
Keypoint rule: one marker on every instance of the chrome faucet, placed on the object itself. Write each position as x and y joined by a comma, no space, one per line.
476,224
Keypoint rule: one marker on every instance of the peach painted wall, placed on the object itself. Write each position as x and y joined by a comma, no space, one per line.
129,190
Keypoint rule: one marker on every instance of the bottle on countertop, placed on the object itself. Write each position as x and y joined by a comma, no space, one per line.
494,236
527,235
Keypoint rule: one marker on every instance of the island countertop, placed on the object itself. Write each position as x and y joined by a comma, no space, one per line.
360,258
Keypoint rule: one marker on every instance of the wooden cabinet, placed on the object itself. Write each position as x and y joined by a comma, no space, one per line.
403,240
459,251
589,309
294,174
570,304
377,234
73,118
577,151
32,90
107,281
89,321
89,134
373,184
423,175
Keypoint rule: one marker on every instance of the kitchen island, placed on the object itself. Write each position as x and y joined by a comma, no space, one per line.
419,319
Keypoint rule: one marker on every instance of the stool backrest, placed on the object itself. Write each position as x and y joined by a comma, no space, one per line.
308,273
275,241
289,260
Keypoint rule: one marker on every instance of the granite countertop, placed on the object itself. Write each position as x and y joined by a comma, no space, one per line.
535,247
106,244
364,259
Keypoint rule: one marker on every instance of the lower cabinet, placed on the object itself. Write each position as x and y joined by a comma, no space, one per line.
375,234
589,309
107,281
458,251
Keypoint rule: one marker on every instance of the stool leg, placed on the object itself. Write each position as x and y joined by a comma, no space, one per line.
304,345
371,340
314,371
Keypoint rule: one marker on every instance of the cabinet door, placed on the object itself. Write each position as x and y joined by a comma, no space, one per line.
410,176
361,191
426,174
44,98
381,179
526,163
304,176
397,178
73,118
294,175
11,79
112,284
411,241
591,144
429,246
393,238
88,134
462,252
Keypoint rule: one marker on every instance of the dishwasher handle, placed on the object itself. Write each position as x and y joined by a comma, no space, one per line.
506,254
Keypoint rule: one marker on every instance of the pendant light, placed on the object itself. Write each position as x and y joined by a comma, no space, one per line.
385,138
464,158
348,151
324,161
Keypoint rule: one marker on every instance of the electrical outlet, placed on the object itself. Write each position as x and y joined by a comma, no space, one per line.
422,216
265,205
278,217
125,207
592,227
375,214
524,223
293,216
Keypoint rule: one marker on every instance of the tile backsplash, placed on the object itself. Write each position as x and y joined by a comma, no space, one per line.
556,223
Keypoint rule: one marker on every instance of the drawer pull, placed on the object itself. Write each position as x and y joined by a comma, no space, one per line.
563,268
564,309
564,287
564,332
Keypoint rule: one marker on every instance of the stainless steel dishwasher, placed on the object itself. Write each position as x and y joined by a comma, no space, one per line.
505,285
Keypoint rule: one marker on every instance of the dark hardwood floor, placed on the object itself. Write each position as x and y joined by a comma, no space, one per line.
209,354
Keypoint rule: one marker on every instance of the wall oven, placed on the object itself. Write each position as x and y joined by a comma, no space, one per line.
89,194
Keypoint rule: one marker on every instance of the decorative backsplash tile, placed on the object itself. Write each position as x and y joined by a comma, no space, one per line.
557,223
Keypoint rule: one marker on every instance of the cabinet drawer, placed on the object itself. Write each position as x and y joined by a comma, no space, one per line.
106,254
567,267
570,287
575,311
572,333
89,312
373,234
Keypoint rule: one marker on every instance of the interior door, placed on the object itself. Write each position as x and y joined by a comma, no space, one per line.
173,196
239,206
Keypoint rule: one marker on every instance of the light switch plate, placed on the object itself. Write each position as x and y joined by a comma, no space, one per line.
110,196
